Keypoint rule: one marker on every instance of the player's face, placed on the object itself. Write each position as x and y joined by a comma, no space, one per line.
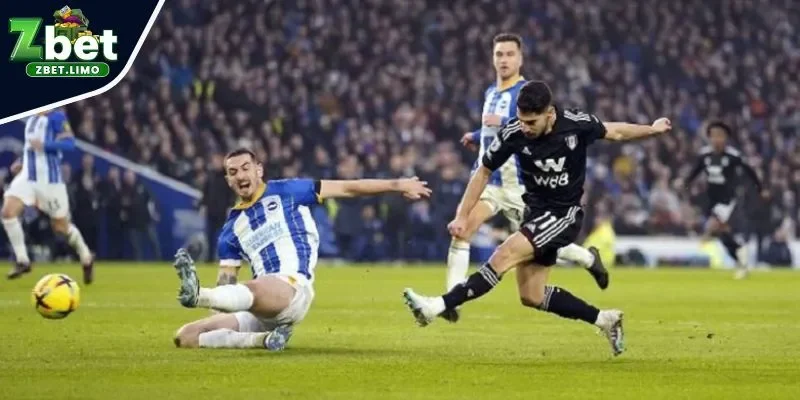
507,59
718,138
534,124
244,174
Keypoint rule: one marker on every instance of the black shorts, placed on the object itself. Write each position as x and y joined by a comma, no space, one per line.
551,229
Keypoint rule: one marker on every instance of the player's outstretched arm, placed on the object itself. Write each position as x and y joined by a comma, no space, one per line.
477,184
411,188
623,131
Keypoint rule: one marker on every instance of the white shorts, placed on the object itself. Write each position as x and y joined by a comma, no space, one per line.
50,198
507,201
291,315
723,211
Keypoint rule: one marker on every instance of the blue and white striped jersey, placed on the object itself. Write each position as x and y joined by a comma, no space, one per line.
275,232
502,102
44,166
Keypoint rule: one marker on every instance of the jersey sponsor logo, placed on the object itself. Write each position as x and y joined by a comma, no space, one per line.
264,235
715,174
550,164
561,179
552,181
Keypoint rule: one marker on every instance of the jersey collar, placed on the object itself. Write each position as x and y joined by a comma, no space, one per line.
256,196
510,83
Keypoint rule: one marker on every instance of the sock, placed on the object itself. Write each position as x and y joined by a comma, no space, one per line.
731,245
75,240
478,284
227,298
229,339
17,238
457,263
564,304
576,254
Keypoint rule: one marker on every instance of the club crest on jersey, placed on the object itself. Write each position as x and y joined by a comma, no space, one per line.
272,206
572,141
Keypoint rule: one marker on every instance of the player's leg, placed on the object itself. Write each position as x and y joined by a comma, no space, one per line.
718,225
240,330
588,258
54,201
458,254
17,196
514,250
534,292
266,297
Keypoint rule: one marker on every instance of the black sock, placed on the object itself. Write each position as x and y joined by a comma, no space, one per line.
564,304
478,284
730,244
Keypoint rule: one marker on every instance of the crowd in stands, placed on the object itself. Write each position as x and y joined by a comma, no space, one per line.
384,88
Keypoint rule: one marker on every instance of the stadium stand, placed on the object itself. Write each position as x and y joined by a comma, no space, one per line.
351,88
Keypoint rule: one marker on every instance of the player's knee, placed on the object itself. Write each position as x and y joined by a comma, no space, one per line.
532,300
188,336
502,259
60,225
9,210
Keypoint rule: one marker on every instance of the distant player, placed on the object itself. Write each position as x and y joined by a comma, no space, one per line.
39,184
550,144
722,164
272,229
505,189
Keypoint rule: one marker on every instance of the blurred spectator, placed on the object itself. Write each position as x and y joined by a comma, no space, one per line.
141,214
115,214
216,201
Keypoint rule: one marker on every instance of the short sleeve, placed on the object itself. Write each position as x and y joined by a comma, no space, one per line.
304,191
229,251
502,147
59,123
589,125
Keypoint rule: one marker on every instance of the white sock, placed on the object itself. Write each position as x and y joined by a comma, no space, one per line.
227,298
577,254
17,238
438,305
229,339
457,262
75,239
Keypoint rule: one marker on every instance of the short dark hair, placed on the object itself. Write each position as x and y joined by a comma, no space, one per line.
720,125
508,37
534,97
239,152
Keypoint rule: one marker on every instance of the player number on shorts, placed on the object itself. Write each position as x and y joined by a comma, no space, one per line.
52,205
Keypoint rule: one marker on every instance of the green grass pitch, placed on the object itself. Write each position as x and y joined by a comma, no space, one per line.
690,335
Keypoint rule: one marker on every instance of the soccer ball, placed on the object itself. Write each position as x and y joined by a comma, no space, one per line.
55,296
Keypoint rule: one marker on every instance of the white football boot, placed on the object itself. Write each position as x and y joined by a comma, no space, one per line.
425,309
610,324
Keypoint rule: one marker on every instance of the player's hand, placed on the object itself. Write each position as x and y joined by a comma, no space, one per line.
413,188
492,120
457,227
467,142
662,125
678,184
37,144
